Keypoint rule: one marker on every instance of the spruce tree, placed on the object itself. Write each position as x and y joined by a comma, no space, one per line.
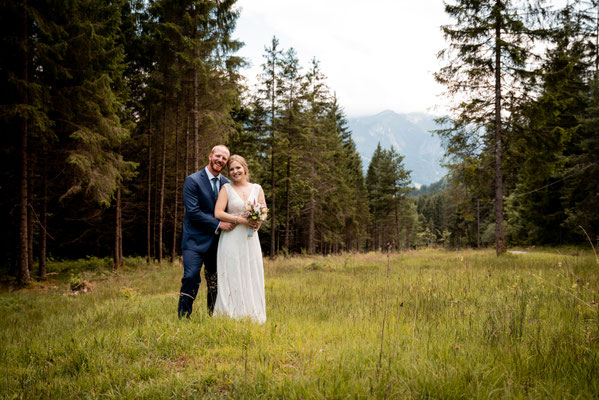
315,135
546,131
86,108
291,120
270,91
353,198
387,185
579,195
485,68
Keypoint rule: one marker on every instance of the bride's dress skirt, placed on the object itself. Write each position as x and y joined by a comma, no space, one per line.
240,272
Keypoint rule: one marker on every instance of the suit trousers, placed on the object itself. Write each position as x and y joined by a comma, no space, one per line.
190,283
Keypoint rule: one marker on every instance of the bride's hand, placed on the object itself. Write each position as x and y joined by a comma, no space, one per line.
243,221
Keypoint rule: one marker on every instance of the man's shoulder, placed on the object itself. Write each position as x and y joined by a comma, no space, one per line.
194,180
197,174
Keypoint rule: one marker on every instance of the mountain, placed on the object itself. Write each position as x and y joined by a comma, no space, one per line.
411,136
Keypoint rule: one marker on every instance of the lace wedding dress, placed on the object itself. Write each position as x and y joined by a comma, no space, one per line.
239,266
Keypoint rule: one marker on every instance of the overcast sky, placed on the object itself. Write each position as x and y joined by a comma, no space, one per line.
378,55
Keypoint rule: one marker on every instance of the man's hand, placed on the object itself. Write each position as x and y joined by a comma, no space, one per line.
226,226
255,225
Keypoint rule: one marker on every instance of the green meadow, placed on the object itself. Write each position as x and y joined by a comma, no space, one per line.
422,324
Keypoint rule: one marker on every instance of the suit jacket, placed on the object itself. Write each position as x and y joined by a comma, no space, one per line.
199,223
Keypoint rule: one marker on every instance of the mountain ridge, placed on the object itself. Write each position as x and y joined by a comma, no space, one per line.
410,134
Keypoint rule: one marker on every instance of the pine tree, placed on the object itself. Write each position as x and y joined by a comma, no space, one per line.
315,135
580,196
270,91
376,202
290,127
23,115
485,63
387,185
545,133
352,193
408,225
194,73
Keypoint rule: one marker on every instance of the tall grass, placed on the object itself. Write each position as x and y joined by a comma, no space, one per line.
456,325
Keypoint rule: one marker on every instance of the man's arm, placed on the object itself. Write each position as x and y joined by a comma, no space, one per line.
192,206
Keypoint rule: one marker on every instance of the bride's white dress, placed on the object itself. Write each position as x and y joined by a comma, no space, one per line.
239,266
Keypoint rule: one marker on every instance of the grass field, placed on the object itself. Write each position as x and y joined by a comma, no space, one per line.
423,324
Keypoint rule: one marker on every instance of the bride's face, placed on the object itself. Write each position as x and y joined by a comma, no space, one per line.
236,172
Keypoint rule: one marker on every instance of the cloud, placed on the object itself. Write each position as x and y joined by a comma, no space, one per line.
377,55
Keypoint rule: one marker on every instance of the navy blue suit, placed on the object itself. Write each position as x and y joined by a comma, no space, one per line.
199,241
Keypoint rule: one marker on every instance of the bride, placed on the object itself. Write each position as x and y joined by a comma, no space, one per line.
239,258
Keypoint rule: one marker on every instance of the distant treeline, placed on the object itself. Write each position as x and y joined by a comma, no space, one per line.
107,106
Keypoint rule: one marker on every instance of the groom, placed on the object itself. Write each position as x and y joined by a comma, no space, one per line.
201,229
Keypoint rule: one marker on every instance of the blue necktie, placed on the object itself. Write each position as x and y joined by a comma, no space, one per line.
214,188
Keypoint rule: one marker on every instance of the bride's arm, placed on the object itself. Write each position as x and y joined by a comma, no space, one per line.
261,198
219,210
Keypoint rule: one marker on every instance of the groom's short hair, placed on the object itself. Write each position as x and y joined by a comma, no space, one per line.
220,145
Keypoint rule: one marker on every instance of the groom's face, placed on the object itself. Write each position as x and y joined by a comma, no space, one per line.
218,159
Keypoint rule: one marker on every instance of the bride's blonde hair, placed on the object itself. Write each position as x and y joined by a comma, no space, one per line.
244,164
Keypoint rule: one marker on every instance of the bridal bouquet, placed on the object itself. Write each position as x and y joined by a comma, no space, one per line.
254,212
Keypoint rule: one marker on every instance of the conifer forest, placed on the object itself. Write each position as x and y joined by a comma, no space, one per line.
107,105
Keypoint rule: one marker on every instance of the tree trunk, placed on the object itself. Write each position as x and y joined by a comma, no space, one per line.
155,214
478,223
499,229
375,237
396,223
347,239
272,199
118,245
149,199
23,275
288,204
311,224
187,146
272,173
120,195
176,212
162,179
42,269
312,203
194,112
30,202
